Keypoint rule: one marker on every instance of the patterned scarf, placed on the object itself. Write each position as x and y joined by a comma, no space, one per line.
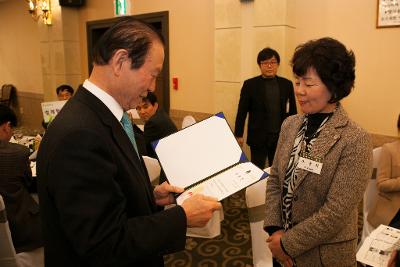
291,177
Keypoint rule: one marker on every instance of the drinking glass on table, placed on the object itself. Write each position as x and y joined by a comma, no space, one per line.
18,135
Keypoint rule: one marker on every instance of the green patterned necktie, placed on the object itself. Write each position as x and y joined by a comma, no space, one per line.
127,125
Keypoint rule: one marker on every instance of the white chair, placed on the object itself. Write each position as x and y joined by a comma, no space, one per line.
8,257
153,168
255,200
370,196
212,228
187,121
7,251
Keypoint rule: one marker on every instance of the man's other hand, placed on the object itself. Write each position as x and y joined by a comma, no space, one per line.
163,193
199,209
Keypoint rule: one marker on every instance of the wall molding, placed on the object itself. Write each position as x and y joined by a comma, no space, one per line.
30,95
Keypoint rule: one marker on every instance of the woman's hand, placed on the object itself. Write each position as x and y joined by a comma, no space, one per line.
274,244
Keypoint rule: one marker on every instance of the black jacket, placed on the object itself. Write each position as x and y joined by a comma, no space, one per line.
96,200
252,101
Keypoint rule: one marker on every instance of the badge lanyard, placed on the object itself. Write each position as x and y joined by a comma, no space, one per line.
306,161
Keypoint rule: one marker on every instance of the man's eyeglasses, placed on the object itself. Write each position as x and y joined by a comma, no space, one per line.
272,63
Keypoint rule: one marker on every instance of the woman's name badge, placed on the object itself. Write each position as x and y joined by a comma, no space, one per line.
310,165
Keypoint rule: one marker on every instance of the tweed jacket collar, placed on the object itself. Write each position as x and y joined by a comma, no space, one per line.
327,138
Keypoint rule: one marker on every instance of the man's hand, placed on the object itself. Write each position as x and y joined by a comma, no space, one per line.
163,193
199,209
392,260
240,141
274,244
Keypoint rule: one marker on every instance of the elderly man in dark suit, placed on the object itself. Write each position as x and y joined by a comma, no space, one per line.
97,204
15,179
268,99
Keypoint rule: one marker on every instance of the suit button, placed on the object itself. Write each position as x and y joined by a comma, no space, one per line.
295,198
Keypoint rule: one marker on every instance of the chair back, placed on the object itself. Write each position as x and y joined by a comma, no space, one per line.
7,250
211,229
187,121
370,195
153,167
255,200
8,94
371,192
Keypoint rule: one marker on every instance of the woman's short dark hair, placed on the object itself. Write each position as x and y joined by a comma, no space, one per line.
151,98
128,33
65,87
334,64
267,53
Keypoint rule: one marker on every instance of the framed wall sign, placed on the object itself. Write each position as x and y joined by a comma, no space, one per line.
388,13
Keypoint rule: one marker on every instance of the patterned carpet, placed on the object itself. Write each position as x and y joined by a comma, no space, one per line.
230,249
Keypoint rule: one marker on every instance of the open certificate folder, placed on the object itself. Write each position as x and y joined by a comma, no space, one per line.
206,158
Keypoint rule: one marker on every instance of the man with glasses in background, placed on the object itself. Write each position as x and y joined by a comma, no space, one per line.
268,99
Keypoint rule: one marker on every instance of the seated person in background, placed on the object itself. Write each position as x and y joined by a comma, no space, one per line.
64,92
15,178
157,124
386,210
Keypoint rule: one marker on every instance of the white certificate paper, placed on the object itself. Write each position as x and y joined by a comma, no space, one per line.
198,151
377,247
226,183
206,158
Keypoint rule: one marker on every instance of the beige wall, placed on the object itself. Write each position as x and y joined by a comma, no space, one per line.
194,33
375,101
242,29
20,62
191,41
93,10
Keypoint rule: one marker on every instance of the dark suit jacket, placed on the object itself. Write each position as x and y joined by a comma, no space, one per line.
140,142
252,101
22,210
158,126
96,200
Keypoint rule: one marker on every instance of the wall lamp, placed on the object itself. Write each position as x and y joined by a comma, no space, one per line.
40,9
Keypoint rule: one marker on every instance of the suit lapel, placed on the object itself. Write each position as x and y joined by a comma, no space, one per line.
118,134
330,134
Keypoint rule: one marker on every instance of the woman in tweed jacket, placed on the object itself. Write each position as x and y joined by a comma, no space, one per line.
323,162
